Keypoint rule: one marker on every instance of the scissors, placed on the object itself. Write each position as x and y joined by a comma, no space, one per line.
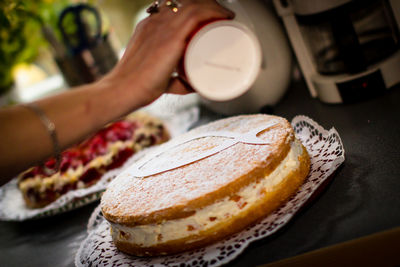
80,26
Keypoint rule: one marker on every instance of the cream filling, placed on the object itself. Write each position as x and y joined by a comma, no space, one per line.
58,180
205,218
71,175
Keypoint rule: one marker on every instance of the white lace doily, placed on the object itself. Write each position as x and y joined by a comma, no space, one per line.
177,112
326,152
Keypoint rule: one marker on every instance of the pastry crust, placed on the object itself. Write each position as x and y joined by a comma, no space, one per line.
220,177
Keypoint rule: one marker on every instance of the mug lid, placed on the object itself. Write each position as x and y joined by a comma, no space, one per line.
222,60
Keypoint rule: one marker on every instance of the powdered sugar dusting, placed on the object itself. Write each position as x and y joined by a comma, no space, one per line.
128,195
194,148
326,152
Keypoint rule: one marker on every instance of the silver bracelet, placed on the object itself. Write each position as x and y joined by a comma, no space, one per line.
51,129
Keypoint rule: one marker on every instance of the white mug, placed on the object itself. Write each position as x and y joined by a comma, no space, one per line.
222,60
239,66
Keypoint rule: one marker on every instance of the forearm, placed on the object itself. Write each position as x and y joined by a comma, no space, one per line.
141,76
83,110
25,141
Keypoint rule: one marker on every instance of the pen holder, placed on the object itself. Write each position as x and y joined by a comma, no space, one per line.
89,64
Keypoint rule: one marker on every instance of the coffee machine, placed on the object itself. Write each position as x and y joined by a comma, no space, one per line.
347,50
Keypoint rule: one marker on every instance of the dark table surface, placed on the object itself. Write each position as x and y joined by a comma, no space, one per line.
362,198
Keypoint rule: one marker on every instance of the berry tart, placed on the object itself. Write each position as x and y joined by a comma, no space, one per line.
84,164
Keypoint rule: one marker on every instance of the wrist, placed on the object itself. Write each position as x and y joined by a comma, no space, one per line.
131,88
119,96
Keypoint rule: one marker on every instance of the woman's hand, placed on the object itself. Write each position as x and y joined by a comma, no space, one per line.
158,44
141,76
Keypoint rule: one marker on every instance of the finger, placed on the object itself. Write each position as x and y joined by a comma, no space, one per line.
193,17
230,13
191,9
178,86
203,5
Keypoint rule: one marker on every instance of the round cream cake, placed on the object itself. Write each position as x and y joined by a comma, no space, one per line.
205,185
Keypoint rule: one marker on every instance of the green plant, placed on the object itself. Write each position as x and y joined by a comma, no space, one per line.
20,32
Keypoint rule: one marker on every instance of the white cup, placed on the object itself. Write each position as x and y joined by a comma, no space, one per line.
222,60
226,66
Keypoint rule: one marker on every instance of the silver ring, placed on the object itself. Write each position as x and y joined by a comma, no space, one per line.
174,74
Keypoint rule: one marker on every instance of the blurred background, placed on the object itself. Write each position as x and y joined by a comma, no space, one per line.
44,42
345,50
